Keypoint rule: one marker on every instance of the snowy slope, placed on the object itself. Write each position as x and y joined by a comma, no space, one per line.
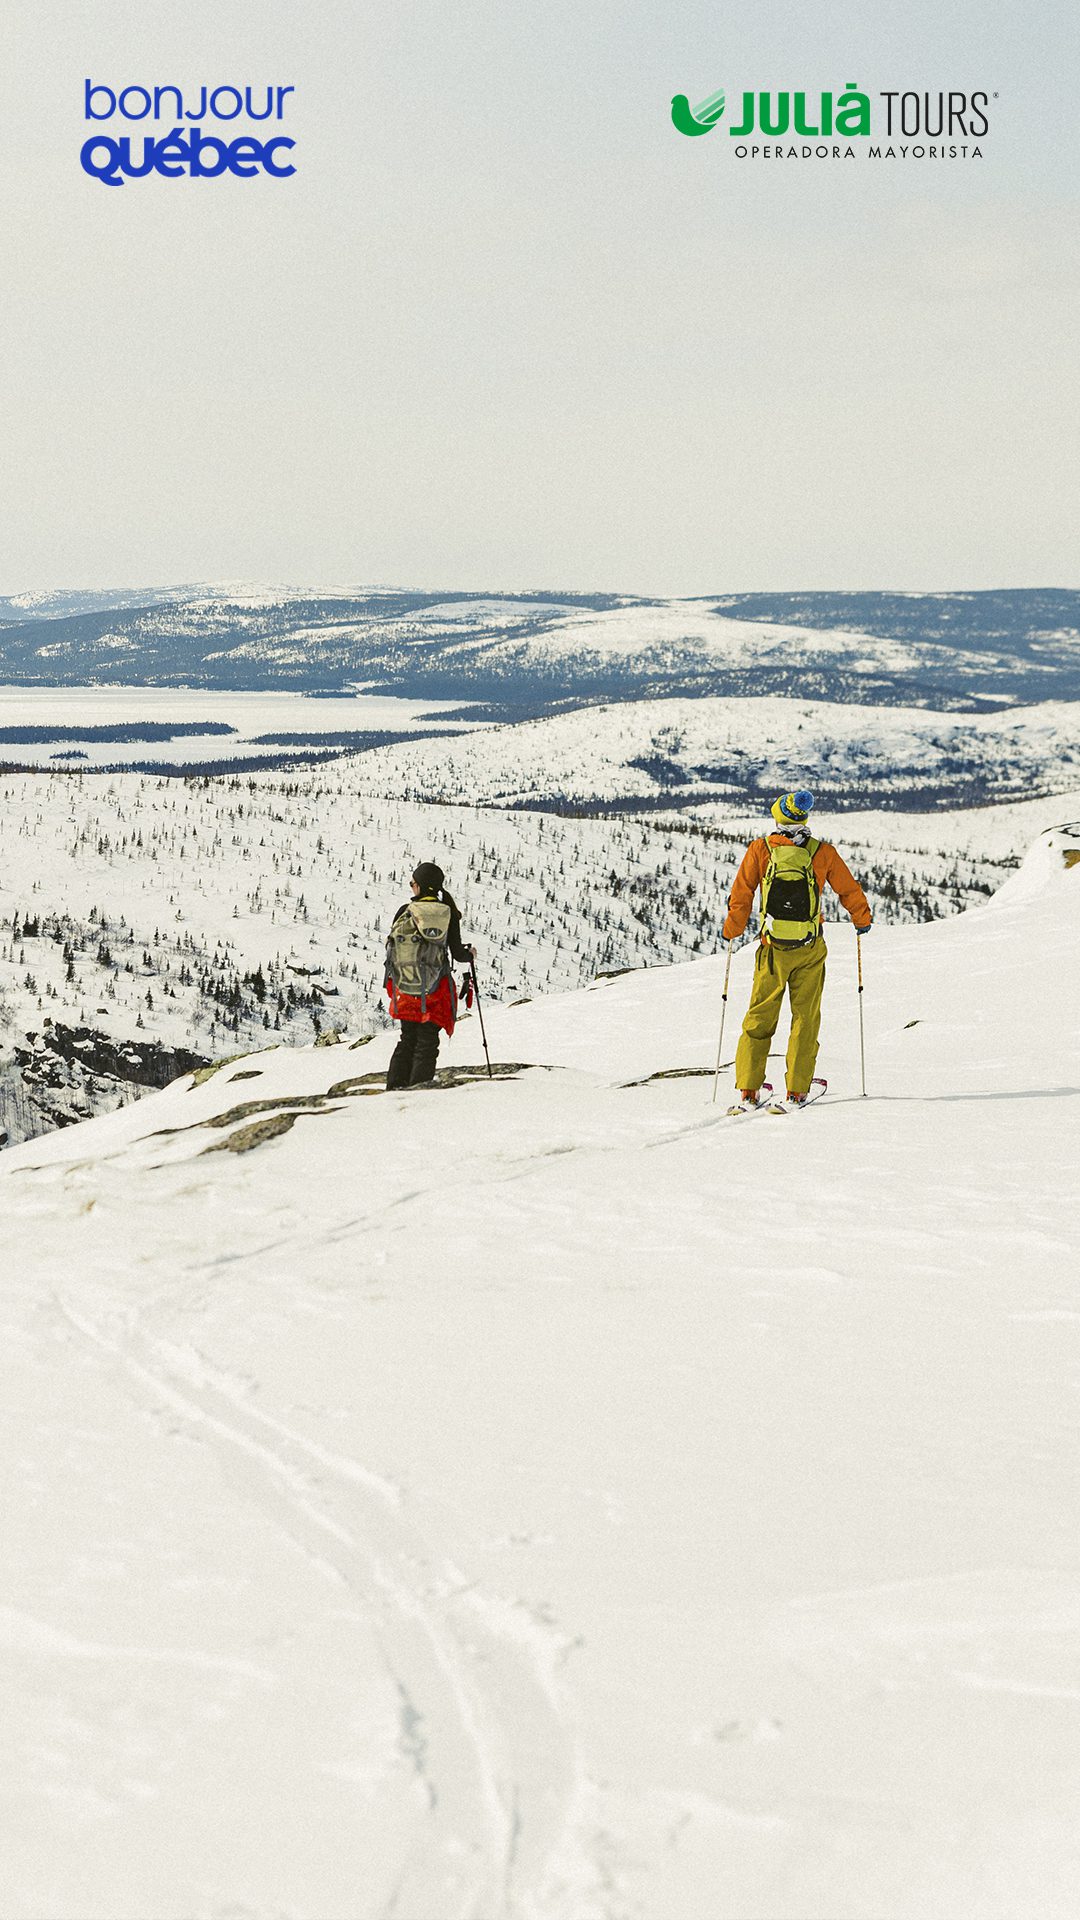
157,907
154,905
687,751
549,1500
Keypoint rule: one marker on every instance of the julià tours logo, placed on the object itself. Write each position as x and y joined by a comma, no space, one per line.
907,124
702,119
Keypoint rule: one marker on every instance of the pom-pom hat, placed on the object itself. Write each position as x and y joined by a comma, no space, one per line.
792,808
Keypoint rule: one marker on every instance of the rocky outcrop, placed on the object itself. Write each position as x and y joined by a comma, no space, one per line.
61,1074
146,1063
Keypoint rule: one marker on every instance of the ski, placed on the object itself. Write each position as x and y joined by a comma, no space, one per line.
817,1088
761,1105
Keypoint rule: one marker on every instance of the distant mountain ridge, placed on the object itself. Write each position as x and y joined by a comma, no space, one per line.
19,608
965,652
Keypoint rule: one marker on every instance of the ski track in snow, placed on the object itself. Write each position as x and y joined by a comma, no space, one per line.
498,1756
19,1632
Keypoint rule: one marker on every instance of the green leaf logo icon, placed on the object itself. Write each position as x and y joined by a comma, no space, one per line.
694,120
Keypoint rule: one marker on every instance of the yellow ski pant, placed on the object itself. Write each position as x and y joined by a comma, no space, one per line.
800,972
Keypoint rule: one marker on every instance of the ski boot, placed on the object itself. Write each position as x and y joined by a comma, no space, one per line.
750,1099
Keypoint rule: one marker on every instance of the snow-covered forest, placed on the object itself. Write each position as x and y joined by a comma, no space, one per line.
200,916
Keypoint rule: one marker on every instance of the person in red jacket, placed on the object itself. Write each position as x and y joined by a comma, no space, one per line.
433,1006
792,869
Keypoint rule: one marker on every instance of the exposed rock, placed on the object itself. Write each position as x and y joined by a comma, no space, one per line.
60,1075
293,1103
360,1083
145,1063
207,1071
244,1138
675,1073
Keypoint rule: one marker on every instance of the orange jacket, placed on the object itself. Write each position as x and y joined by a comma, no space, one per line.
828,867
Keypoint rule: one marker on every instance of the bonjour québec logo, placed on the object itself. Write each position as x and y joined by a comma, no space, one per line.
891,125
196,135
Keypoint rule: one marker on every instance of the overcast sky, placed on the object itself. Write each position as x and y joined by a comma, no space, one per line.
506,327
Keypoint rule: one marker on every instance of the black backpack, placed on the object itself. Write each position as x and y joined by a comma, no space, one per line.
790,895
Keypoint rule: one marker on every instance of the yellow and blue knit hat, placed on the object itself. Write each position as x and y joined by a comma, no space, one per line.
792,808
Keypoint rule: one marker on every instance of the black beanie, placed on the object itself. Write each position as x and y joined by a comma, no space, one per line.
429,877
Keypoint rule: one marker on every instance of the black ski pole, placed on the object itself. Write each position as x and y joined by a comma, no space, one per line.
480,1011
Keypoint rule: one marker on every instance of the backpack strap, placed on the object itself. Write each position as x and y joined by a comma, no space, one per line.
770,867
812,847
763,937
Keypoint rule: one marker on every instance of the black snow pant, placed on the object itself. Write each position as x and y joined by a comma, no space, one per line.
412,1062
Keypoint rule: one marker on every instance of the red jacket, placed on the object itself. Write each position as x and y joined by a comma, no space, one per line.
828,867
441,1005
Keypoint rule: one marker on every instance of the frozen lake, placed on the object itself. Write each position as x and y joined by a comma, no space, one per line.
88,727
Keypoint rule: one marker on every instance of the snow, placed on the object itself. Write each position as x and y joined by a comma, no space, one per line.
678,629
549,1499
992,833
987,648
165,893
602,753
290,870
251,715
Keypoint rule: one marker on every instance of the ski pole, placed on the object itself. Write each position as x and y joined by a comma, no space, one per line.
862,1036
480,1011
723,1017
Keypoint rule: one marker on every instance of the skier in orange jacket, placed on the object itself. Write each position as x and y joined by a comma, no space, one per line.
792,869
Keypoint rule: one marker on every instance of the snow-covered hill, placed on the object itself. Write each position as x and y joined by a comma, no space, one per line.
18,608
683,752
546,1499
964,651
206,916
210,915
